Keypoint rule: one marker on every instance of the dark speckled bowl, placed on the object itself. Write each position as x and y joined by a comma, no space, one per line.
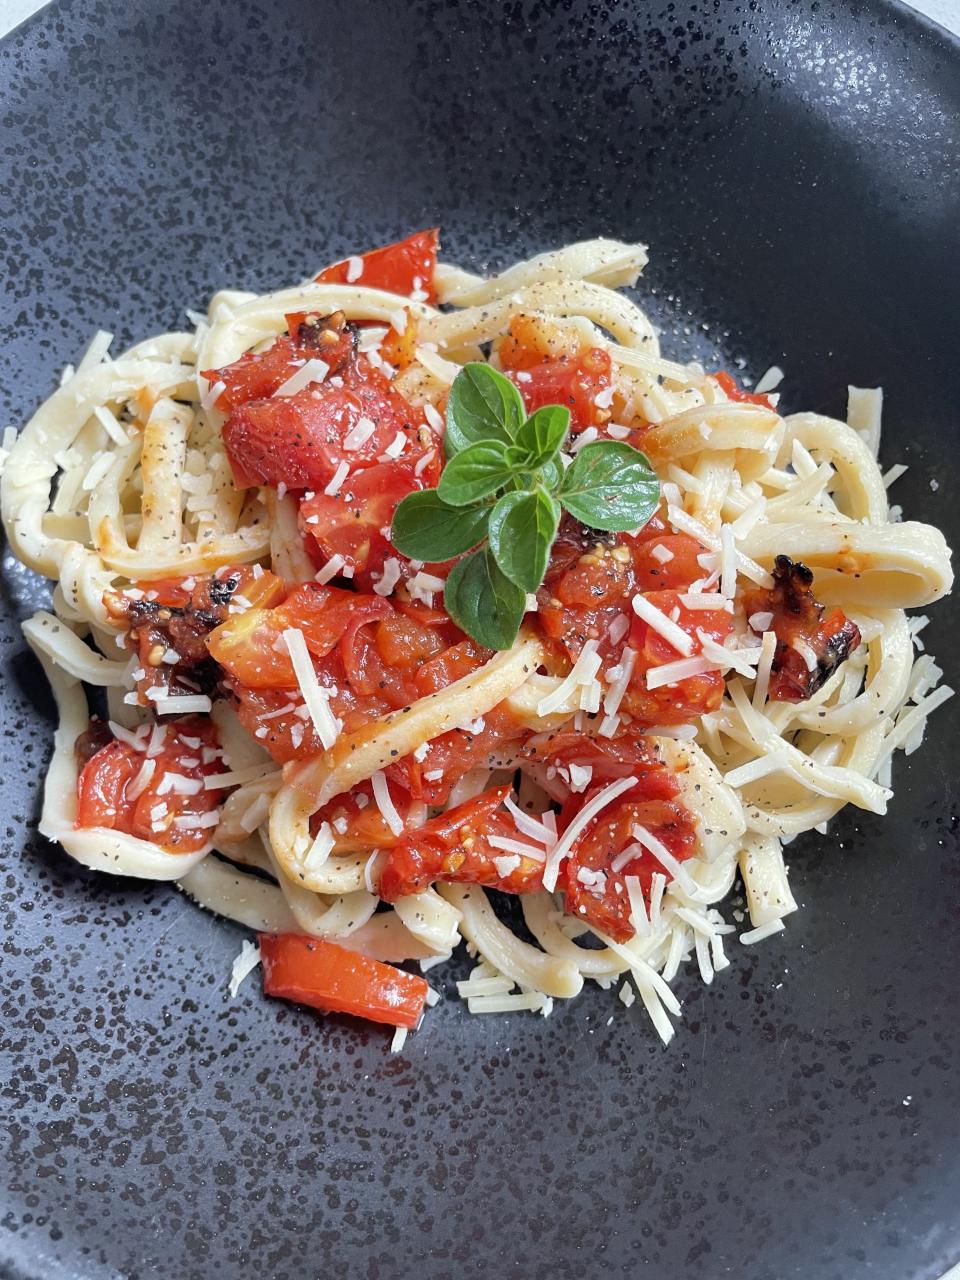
794,166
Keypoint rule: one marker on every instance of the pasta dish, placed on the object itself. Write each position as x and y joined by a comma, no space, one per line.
406,607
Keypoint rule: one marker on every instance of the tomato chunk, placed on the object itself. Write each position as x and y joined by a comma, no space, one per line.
259,374
593,890
167,807
735,392
685,700
352,522
608,759
575,383
301,440
319,973
168,622
358,825
405,267
456,846
812,642
250,646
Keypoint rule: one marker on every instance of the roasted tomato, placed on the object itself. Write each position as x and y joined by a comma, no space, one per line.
576,383
685,700
593,577
355,522
168,621
733,392
405,267
492,742
594,891
258,375
457,847
357,823
811,641
606,758
280,722
319,973
160,798
250,647
663,560
301,440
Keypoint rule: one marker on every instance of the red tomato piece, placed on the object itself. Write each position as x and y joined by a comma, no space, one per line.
404,643
357,823
575,383
451,755
456,847
609,758
175,616
168,818
652,573
319,973
686,700
735,392
299,440
249,645
404,267
370,677
352,522
811,641
270,717
257,375
532,339
603,900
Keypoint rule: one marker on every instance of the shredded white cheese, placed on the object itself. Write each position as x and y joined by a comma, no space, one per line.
244,964
336,483
384,802
358,435
311,371
664,626
314,696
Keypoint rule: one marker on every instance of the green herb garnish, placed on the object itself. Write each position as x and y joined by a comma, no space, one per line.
502,492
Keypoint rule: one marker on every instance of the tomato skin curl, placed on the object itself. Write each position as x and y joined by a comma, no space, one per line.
328,977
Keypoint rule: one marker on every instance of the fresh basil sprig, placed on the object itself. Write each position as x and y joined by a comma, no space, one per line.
501,496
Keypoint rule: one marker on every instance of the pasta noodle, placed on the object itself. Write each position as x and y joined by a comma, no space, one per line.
694,727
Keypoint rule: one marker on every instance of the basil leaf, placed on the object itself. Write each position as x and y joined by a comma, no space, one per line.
610,485
521,531
482,602
482,405
427,528
481,469
543,433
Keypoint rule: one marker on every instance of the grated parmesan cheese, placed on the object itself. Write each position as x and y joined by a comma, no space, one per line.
330,570
358,435
185,704
384,802
314,696
336,483
392,570
582,673
765,931
664,626
244,964
313,370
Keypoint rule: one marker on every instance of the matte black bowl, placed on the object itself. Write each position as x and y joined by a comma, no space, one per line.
794,168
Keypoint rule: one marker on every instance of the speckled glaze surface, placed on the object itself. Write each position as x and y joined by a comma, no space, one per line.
795,168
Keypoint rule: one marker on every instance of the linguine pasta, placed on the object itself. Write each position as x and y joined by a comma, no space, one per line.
124,481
